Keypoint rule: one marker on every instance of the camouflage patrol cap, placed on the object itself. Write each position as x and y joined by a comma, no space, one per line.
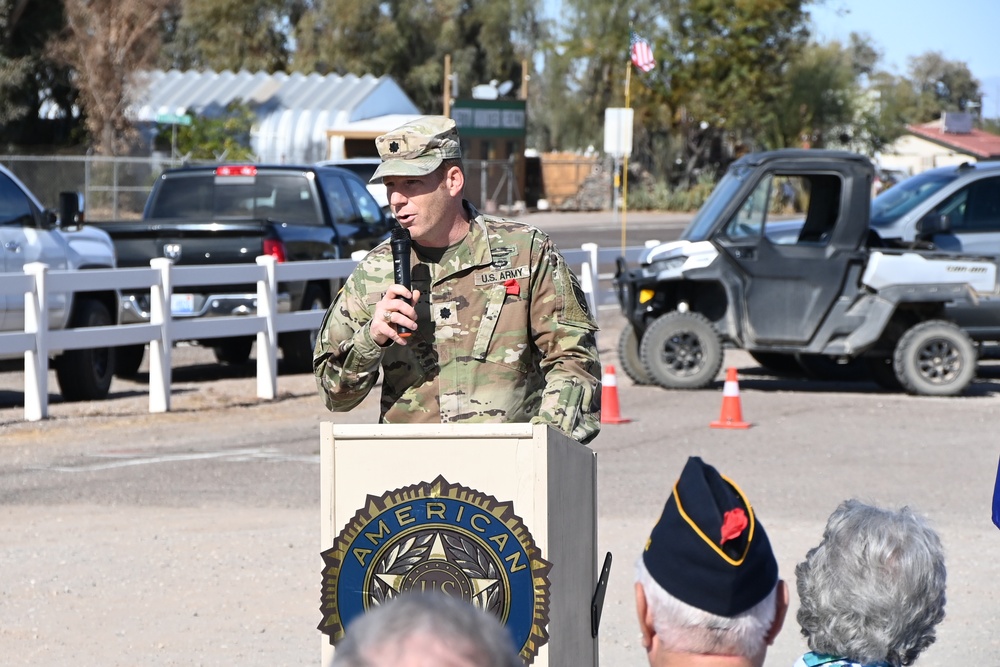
417,148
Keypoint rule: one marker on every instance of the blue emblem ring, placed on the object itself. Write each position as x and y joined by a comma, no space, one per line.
443,543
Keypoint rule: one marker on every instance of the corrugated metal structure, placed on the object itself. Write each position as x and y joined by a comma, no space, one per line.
301,117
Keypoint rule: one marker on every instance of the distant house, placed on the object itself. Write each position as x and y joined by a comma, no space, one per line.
950,140
300,117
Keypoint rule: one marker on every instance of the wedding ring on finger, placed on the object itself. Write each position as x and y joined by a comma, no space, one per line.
387,315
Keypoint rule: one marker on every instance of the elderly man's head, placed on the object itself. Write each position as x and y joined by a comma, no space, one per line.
426,630
707,582
873,591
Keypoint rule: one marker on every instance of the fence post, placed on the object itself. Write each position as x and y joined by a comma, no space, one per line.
36,362
591,276
160,348
267,340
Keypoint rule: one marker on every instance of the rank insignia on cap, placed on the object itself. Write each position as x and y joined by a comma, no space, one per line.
708,549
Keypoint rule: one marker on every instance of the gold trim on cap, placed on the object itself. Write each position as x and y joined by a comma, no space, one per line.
710,542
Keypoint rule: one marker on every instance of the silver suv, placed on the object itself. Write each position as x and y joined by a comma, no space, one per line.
956,208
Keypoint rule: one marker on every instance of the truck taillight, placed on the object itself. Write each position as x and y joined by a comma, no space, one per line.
236,170
275,249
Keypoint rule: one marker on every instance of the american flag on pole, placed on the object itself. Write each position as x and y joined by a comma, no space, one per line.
642,53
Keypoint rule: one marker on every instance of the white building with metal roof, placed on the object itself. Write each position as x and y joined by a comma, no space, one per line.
301,118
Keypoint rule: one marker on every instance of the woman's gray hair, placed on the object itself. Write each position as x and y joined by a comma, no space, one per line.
682,628
874,588
465,630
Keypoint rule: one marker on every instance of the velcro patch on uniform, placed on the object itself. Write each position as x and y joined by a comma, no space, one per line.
501,276
445,312
503,257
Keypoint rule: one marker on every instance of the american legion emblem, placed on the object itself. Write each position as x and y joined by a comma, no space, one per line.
439,536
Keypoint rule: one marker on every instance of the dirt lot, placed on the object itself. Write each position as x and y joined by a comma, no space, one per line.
192,538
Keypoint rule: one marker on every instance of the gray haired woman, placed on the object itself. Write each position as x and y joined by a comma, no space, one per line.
873,591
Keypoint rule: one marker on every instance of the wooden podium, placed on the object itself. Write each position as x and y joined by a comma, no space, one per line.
503,515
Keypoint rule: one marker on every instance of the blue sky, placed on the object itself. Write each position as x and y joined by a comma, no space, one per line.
962,30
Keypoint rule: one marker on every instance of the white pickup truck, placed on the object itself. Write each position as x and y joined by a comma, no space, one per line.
31,233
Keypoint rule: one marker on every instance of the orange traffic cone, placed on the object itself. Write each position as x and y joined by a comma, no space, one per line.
732,414
609,398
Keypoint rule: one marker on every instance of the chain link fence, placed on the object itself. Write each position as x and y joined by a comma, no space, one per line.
117,187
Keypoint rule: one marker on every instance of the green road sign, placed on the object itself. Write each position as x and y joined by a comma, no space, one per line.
173,119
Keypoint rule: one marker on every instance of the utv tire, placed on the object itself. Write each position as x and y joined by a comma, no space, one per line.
778,363
681,351
128,359
233,351
629,358
297,346
935,358
85,375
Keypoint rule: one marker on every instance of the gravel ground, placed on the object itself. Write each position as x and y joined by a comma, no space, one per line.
210,555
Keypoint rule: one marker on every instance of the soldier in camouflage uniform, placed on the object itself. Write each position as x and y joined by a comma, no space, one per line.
501,330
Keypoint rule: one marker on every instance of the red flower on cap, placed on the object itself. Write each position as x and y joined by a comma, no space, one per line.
734,522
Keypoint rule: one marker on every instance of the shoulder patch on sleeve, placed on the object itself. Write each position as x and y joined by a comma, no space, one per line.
573,306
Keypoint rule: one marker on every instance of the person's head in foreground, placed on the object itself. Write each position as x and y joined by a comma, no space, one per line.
426,630
707,588
873,591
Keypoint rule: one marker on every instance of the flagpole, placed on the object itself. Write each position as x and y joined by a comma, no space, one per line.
628,81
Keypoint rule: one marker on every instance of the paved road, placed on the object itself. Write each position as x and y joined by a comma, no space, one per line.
193,537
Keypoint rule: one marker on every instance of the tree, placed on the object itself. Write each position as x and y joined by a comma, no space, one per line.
233,35
821,101
27,81
943,85
408,41
107,42
226,137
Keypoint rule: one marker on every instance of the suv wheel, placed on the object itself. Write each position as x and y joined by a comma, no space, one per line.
935,358
128,359
681,351
85,375
233,351
628,356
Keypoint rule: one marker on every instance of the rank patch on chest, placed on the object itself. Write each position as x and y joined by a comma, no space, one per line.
502,275
445,312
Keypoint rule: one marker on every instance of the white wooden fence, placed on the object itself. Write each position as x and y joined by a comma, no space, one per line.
37,340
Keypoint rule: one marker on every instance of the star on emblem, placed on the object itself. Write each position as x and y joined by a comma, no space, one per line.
394,147
445,313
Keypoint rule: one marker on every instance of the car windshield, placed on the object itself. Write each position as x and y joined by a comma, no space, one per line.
903,197
710,212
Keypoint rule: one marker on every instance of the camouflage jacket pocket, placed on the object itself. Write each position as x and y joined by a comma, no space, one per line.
503,336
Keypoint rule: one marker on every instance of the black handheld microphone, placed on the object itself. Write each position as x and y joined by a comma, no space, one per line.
400,242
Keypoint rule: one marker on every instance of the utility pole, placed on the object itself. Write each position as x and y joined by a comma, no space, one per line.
525,77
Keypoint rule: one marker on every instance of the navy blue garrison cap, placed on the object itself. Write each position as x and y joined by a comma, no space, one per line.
708,549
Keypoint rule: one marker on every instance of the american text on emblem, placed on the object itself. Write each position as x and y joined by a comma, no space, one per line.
445,537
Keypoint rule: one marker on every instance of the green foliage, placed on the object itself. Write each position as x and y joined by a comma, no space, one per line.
656,195
408,41
27,78
231,35
226,137
943,85
821,98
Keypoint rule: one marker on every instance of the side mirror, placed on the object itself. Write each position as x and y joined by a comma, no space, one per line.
70,209
933,224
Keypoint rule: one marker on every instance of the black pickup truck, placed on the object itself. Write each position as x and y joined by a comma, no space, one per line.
232,213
